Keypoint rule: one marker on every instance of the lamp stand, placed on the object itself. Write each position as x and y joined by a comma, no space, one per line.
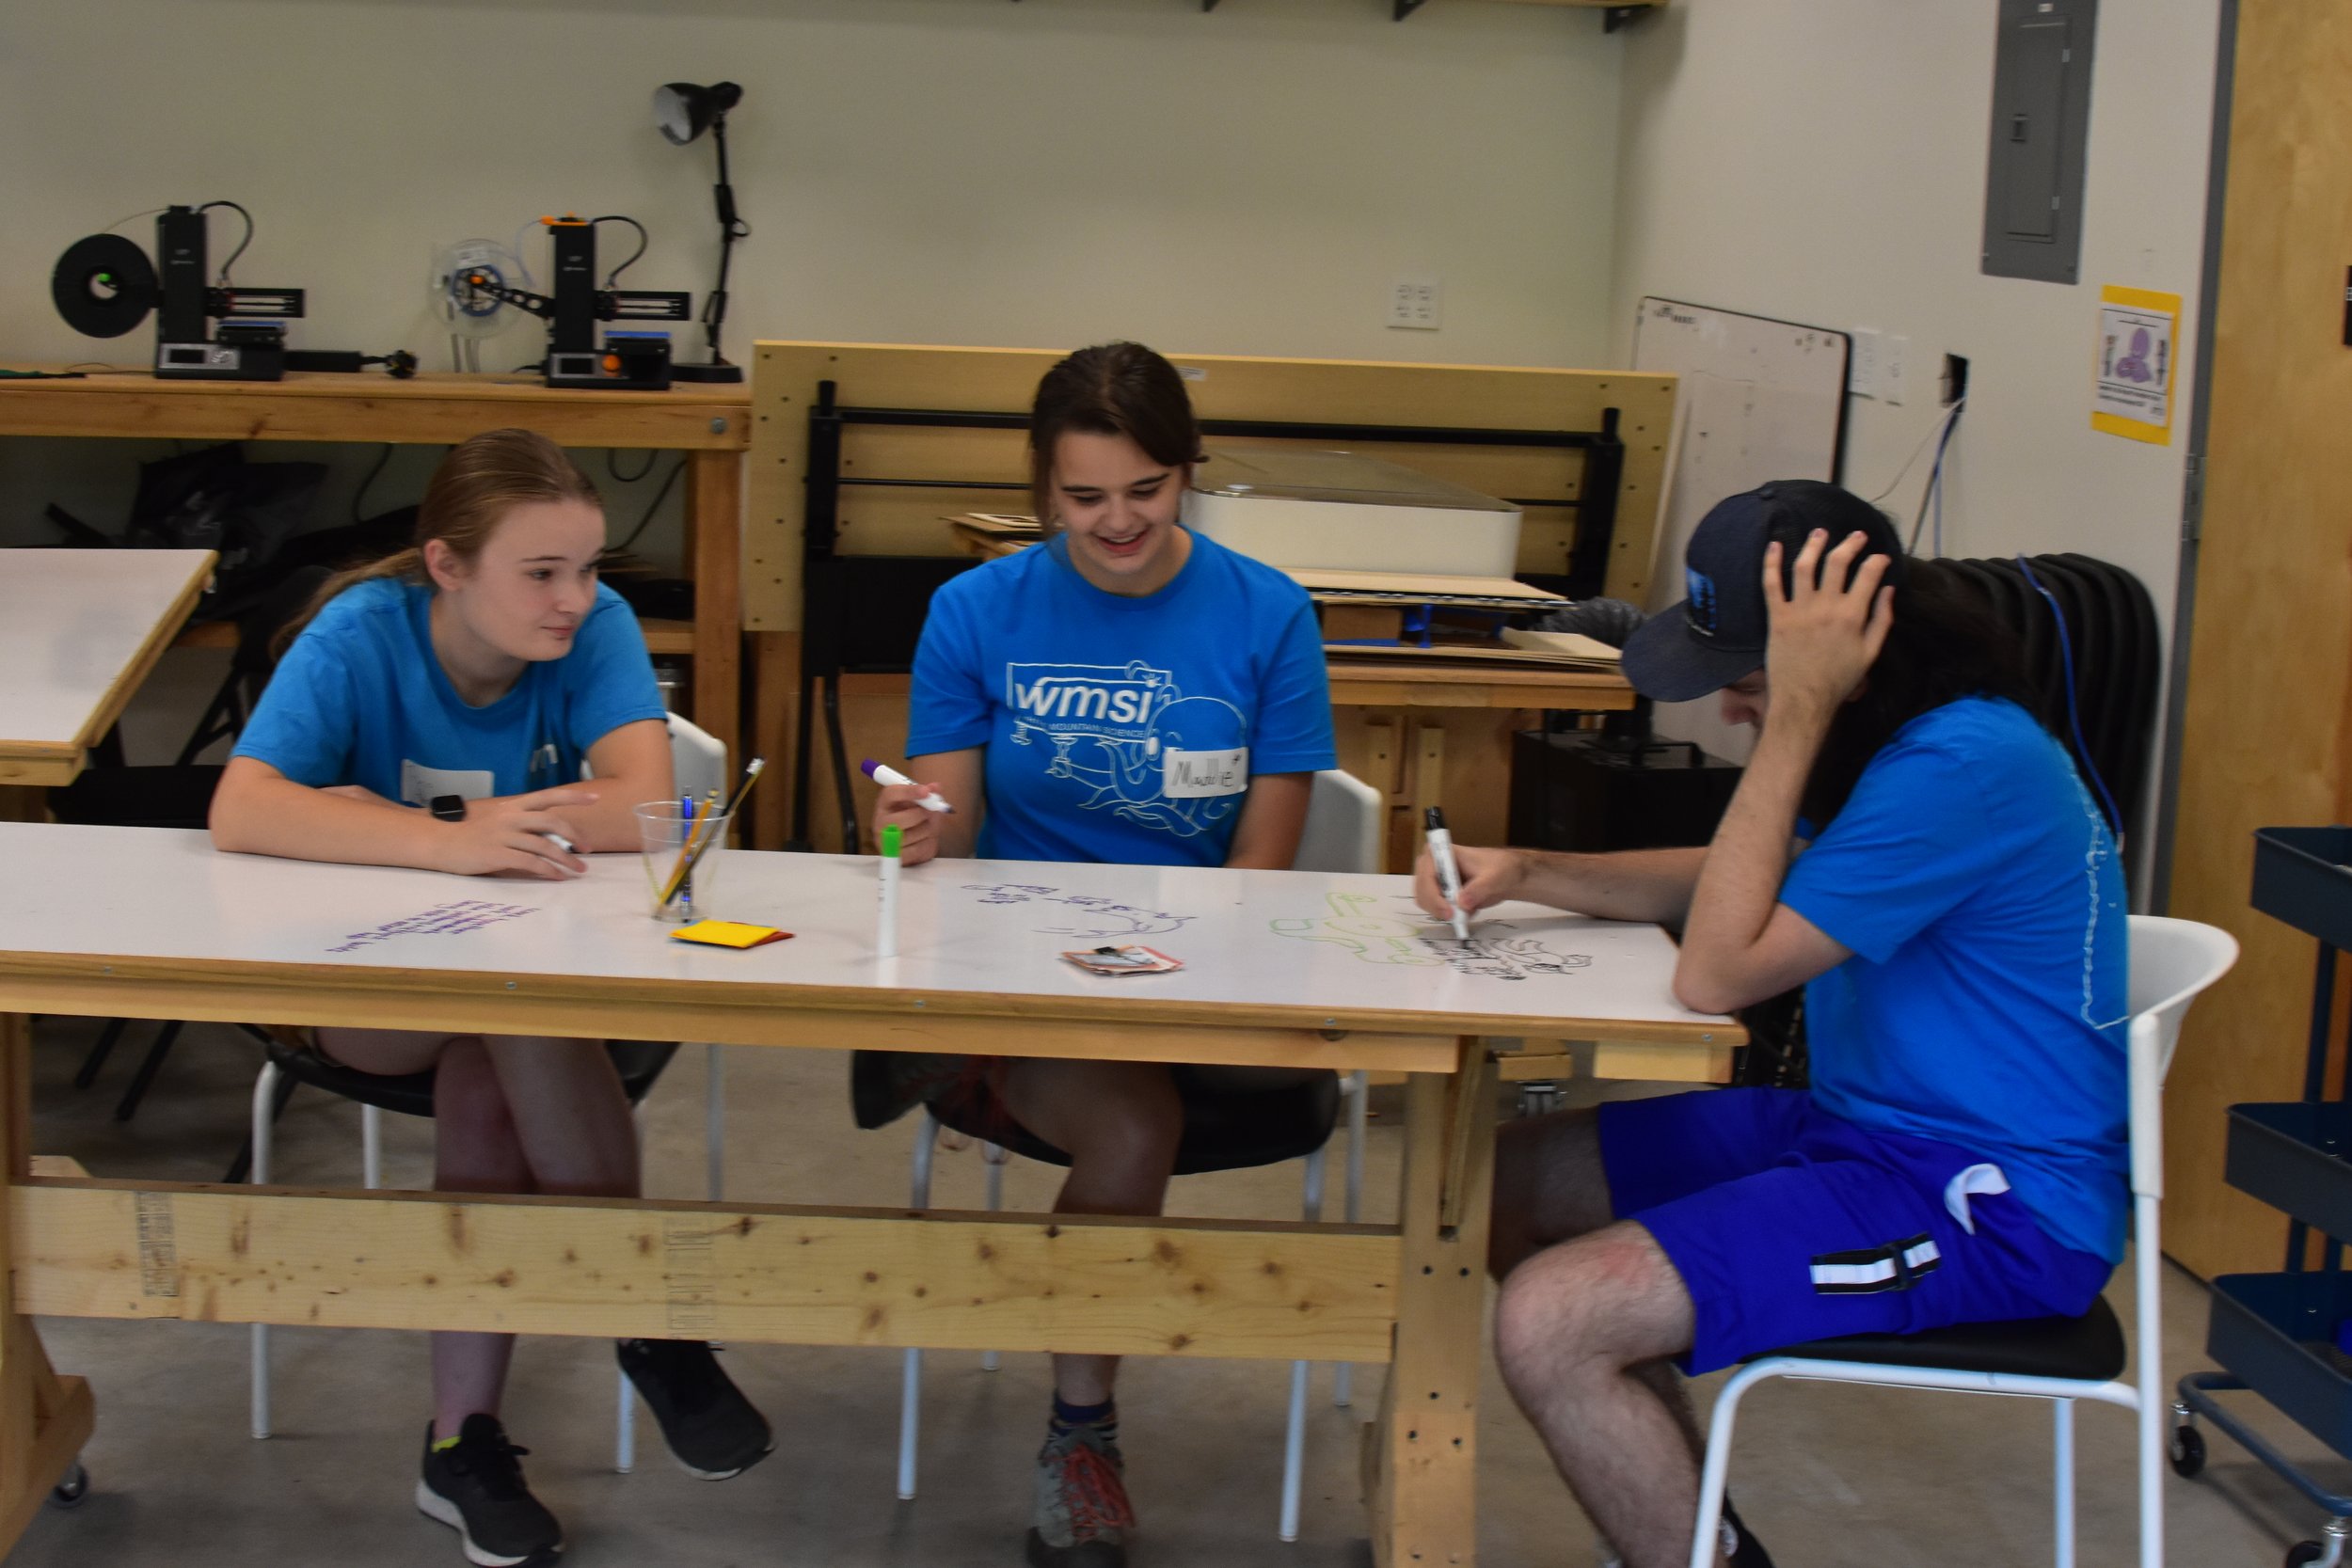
731,229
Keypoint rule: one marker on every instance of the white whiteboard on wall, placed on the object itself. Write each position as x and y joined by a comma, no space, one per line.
1759,400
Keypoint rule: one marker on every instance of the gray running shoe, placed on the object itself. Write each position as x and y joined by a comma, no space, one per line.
1082,1509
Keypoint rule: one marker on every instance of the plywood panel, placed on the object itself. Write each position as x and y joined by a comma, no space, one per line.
2266,732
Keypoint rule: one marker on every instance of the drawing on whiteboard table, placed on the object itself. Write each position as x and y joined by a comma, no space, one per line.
441,920
1082,914
1495,950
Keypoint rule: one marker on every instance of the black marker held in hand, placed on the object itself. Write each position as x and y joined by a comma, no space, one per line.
1449,873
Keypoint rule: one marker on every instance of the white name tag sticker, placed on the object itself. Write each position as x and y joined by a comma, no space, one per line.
1194,775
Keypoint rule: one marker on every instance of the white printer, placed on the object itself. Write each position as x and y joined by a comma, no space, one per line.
1293,507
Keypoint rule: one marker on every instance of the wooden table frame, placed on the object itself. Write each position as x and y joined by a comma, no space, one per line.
1410,1295
709,424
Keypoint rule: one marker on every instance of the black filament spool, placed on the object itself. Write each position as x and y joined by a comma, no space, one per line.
103,286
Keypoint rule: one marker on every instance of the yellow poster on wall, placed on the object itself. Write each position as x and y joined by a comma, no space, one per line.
2138,350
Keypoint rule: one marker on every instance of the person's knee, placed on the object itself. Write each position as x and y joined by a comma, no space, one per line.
1602,1302
1542,1326
1134,1135
473,1125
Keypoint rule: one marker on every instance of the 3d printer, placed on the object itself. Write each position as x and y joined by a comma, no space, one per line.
625,361
104,286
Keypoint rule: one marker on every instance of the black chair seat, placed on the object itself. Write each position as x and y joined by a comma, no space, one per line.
2089,1348
1224,1129
140,796
411,1095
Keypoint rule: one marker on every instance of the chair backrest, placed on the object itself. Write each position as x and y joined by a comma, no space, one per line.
698,757
1344,821
2172,960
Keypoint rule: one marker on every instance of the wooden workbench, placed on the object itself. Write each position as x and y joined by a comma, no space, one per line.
709,424
79,631
1283,968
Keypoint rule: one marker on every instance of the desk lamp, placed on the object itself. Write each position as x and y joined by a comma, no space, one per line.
684,112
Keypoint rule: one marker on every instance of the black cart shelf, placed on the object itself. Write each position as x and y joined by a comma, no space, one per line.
2276,1334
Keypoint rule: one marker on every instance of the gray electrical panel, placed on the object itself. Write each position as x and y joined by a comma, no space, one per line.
2033,183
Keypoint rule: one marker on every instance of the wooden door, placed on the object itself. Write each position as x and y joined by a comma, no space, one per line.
2267,727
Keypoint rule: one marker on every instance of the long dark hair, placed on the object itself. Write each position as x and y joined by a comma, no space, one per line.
1110,389
1945,644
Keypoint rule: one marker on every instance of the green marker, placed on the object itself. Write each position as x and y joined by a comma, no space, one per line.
887,920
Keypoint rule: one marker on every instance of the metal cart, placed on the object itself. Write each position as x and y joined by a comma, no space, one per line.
2277,1333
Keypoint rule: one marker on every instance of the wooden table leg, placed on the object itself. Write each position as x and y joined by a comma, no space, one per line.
714,529
1421,1455
44,1418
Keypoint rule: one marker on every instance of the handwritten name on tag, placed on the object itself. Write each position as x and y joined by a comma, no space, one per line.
1193,775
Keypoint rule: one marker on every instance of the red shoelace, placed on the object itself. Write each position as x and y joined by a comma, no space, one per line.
1096,1497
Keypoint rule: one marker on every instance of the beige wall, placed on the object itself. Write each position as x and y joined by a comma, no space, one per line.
1823,161
961,171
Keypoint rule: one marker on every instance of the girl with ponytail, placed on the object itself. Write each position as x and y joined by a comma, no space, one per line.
434,710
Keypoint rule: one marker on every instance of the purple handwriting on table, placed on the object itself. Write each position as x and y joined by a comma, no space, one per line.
441,920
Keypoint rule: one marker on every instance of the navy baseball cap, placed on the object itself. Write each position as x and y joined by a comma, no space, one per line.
1717,634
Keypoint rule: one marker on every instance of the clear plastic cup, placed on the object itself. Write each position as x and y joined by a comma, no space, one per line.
667,840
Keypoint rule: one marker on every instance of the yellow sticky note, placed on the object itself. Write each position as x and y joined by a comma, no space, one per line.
728,933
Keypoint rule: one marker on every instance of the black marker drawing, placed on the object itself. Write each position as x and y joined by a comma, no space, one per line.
1089,916
1376,938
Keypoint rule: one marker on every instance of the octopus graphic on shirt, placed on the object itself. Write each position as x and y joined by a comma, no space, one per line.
1145,752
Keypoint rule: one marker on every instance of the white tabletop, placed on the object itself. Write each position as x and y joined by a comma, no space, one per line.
1276,945
74,624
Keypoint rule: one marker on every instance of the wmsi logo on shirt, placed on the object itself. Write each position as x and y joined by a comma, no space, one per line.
1109,699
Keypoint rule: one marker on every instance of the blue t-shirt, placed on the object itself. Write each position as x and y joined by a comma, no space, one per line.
361,699
1976,885
1121,729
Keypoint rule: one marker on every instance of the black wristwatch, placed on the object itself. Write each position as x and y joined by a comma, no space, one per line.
449,808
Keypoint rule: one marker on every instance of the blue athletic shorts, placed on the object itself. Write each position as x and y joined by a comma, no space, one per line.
1788,1224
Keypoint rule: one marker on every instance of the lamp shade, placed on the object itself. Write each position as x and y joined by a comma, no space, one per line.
685,111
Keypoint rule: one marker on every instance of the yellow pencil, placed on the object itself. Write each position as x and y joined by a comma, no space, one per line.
701,841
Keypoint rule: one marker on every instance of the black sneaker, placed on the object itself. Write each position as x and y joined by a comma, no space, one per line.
712,1429
476,1488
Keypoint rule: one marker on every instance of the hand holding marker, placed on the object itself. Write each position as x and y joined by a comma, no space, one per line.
883,774
1449,873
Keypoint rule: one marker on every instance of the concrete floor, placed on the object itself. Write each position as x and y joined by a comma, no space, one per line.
1829,1477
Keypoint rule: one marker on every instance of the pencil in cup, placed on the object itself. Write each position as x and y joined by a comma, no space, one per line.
713,834
681,854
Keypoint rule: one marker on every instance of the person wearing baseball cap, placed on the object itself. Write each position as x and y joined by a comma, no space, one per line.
1914,846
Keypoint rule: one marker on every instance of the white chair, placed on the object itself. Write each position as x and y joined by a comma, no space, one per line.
698,761
2059,1359
1344,819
